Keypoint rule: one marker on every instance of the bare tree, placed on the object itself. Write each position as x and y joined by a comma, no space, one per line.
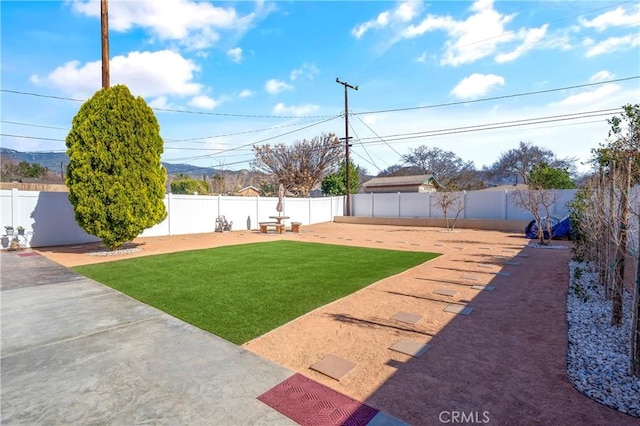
451,202
517,163
538,202
302,165
448,169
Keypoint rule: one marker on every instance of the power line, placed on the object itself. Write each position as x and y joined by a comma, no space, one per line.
495,98
373,163
411,135
467,129
33,125
182,111
379,137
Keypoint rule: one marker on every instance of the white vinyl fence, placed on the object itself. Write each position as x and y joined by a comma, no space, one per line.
496,205
48,217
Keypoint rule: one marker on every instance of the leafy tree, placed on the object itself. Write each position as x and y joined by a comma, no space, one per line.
114,175
187,185
545,177
11,171
449,169
336,183
302,165
399,170
517,163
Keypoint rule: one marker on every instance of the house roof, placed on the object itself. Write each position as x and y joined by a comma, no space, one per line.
415,180
246,188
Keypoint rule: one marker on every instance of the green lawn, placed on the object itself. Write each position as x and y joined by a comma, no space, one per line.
241,292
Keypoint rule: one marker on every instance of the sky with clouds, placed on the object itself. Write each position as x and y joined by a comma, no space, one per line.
475,78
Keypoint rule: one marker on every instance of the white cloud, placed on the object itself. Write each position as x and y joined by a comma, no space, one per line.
601,76
422,58
204,102
193,23
235,54
474,38
618,17
246,93
274,86
296,110
306,70
476,85
531,39
404,12
589,97
147,74
612,44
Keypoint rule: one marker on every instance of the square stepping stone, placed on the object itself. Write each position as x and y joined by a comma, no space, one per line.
469,277
410,347
483,287
445,292
407,317
401,242
349,239
512,263
484,248
458,309
379,242
415,244
503,274
333,366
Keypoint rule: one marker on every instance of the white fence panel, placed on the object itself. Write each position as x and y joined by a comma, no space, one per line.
297,209
486,205
414,205
385,205
362,204
48,217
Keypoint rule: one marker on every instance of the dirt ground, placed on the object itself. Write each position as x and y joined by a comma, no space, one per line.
505,363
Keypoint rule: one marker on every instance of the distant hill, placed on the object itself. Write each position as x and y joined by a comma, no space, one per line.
53,160
233,179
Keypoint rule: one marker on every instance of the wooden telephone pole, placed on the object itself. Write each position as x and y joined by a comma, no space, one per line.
346,138
104,29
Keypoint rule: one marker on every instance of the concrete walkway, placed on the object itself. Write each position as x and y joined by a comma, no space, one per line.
77,352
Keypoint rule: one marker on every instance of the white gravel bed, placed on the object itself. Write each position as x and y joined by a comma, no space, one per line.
598,353
107,252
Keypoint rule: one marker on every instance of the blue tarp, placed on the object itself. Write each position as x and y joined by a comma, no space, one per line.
560,228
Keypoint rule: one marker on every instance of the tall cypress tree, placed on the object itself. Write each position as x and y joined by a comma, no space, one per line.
115,177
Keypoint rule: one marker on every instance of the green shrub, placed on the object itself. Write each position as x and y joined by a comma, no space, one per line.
189,186
114,176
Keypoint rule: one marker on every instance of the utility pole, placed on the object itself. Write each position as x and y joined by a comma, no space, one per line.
104,29
347,86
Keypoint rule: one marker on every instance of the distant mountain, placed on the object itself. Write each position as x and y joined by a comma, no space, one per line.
54,160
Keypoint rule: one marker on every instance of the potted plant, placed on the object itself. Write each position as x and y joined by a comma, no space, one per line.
20,230
8,230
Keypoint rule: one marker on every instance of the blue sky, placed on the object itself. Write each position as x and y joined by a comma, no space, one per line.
239,73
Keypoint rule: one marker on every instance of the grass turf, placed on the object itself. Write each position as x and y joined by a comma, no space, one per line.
240,292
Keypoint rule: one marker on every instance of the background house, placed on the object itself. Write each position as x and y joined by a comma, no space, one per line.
249,191
417,183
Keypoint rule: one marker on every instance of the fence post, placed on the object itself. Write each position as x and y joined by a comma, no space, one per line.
429,205
399,205
257,211
372,206
505,204
169,213
14,206
464,200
